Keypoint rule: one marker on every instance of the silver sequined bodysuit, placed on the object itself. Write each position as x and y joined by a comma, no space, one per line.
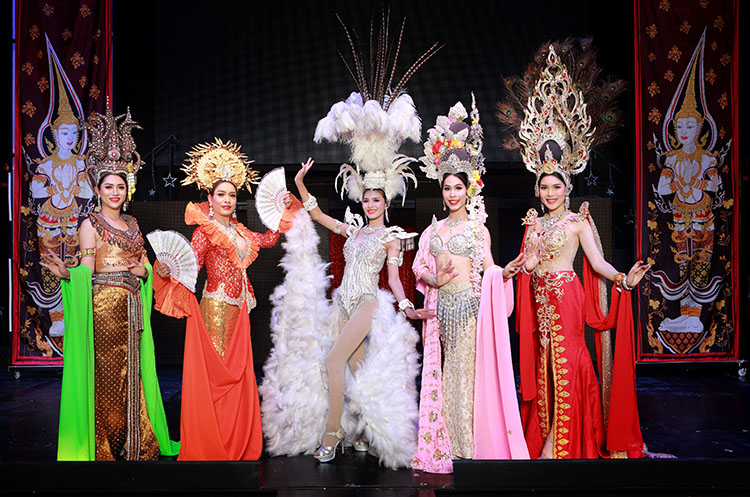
458,244
364,259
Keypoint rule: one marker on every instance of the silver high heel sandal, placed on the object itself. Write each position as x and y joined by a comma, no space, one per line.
360,445
326,453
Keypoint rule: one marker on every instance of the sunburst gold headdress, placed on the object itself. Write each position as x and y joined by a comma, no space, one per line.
211,162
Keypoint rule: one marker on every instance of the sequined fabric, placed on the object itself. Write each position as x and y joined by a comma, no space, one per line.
123,429
120,245
364,259
458,329
458,244
216,248
221,319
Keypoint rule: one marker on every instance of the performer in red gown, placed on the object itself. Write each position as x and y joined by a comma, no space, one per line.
220,415
562,408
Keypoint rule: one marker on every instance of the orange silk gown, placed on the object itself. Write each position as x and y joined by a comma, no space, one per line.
220,415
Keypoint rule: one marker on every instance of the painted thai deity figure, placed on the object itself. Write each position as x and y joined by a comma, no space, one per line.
60,193
690,189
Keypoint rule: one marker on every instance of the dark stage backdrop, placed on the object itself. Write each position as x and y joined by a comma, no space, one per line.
264,73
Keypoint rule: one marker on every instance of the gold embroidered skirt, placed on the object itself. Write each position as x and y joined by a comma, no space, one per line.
457,310
221,319
123,429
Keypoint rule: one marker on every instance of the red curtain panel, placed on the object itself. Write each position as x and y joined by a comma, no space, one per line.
687,176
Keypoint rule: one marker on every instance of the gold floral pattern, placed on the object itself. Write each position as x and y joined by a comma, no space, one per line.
653,89
77,60
43,84
34,32
28,68
669,75
67,34
719,22
654,116
28,108
685,27
85,11
723,101
710,75
674,53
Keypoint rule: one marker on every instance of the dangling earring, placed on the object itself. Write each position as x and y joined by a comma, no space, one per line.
541,203
99,202
567,202
125,207
210,210
445,207
386,214
234,214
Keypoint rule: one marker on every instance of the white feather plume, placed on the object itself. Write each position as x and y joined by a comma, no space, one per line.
373,134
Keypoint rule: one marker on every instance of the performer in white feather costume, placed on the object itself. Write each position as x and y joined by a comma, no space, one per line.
374,405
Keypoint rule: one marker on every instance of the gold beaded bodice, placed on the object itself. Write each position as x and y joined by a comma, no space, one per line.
557,248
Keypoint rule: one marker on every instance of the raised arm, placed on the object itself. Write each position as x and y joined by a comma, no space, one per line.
307,200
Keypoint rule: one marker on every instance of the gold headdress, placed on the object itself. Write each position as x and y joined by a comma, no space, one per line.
211,162
65,114
112,149
555,116
454,146
560,108
376,120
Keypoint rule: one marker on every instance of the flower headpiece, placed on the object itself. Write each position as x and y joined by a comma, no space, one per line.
112,149
211,162
376,120
455,146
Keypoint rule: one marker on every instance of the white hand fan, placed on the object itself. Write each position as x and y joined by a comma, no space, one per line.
174,250
269,198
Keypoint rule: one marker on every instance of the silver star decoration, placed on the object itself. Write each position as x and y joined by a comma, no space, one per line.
610,190
591,180
169,181
629,218
152,193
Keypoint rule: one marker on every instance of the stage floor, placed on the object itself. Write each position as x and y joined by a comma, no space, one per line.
699,415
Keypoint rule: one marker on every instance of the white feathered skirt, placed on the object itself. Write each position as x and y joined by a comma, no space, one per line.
381,396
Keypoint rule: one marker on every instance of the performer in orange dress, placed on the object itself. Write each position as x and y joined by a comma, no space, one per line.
220,416
562,408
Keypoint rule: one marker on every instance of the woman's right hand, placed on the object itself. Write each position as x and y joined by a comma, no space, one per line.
305,166
55,265
445,273
161,269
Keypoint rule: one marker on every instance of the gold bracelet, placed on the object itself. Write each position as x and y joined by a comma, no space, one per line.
619,278
88,252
